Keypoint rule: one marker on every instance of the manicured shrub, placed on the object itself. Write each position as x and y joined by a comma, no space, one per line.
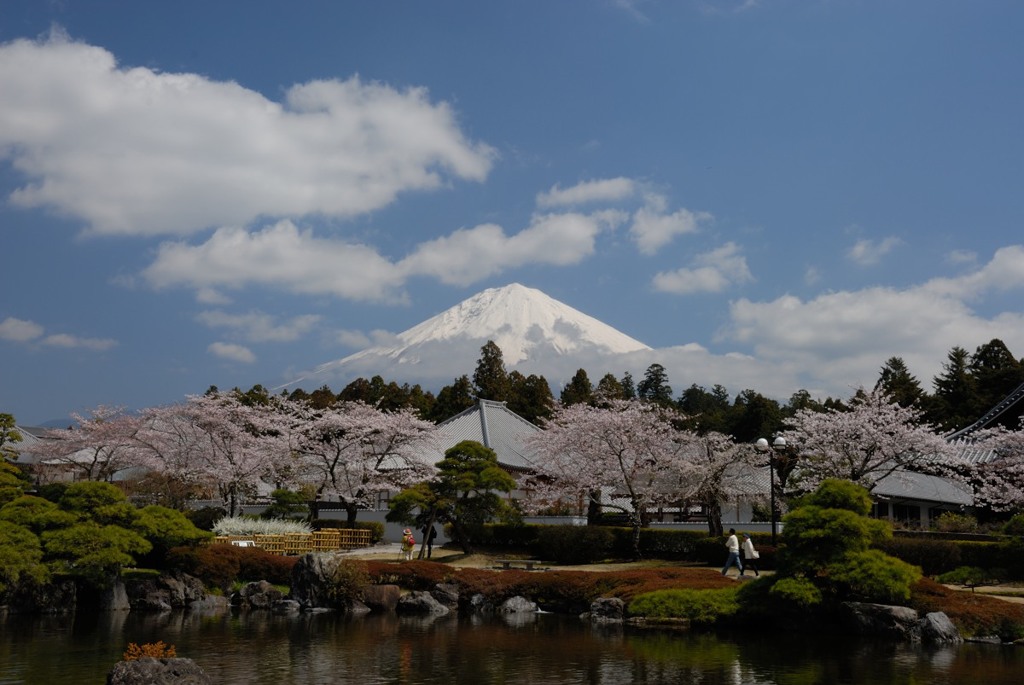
219,565
934,556
702,607
966,575
523,536
206,517
248,525
796,592
255,564
574,544
675,545
1015,526
348,579
873,576
953,522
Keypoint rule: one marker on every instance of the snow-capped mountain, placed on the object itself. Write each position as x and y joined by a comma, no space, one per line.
536,334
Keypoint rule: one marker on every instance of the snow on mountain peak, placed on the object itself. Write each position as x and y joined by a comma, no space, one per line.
526,324
519,319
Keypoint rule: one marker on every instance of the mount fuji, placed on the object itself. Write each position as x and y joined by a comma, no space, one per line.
536,334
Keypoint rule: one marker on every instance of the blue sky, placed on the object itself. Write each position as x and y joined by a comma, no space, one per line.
775,195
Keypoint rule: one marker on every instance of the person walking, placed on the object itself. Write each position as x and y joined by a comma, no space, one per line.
408,544
750,555
732,544
429,533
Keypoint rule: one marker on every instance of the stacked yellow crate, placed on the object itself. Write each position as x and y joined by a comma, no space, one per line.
352,538
298,543
271,543
326,540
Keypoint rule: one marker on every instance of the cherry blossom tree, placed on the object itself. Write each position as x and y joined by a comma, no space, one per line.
219,441
355,451
95,447
874,438
627,449
718,464
996,457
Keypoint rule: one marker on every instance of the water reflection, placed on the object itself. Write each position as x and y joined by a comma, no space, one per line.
259,648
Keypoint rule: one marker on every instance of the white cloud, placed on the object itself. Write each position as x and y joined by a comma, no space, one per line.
354,339
19,330
260,327
280,256
841,339
962,257
1004,272
711,272
193,153
232,352
602,190
869,252
652,228
469,255
72,341
211,296
284,256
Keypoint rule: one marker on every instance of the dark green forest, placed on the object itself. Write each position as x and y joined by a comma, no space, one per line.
970,384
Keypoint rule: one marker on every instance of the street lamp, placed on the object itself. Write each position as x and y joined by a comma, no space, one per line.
779,444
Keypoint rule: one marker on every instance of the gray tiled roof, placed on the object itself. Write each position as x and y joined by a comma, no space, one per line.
493,425
908,485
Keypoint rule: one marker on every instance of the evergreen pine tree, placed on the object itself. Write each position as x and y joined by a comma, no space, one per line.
578,390
490,378
899,384
956,403
654,387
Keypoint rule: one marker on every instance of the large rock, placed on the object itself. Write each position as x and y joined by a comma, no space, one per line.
899,623
517,605
313,582
421,603
166,592
882,620
115,597
258,595
150,671
937,628
479,604
28,597
447,594
381,598
606,610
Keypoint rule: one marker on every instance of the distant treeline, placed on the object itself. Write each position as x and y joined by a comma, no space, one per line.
970,384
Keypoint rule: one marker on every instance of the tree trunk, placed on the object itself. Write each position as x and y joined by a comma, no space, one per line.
351,511
426,533
594,508
460,531
714,508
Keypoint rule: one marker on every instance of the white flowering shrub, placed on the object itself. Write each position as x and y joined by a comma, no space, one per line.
243,525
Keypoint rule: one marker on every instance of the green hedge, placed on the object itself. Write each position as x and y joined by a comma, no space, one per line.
585,544
575,544
938,555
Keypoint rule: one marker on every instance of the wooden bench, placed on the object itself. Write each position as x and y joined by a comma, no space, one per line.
528,564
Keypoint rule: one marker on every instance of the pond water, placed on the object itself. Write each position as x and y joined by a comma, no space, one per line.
256,648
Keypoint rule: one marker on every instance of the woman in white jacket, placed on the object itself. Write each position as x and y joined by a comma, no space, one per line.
750,555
